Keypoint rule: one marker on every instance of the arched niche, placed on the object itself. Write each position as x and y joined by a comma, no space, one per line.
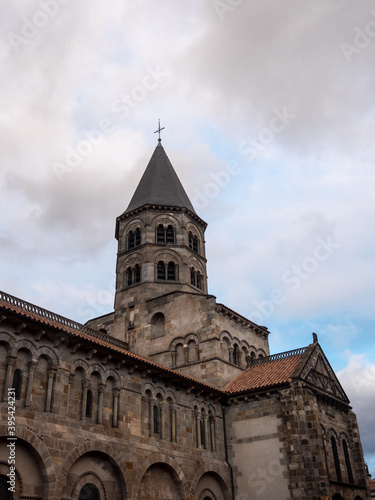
30,473
157,325
160,482
95,473
211,486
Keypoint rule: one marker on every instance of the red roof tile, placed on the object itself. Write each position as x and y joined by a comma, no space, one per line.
269,372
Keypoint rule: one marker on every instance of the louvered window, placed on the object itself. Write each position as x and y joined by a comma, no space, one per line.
137,273
170,235
129,276
161,271
171,271
137,237
160,234
131,240
192,276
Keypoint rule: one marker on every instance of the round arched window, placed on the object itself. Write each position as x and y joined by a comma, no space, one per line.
5,494
89,492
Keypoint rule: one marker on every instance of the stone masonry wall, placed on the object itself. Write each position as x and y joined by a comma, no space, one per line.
279,447
256,449
191,331
307,427
110,442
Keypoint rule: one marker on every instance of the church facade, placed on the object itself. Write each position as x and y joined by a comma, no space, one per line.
172,395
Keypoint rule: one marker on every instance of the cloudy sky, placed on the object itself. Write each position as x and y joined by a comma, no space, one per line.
268,110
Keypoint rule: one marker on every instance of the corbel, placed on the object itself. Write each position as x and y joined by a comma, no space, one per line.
90,353
145,373
75,348
39,335
20,327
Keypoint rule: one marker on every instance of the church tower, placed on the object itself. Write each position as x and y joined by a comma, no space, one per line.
162,308
161,242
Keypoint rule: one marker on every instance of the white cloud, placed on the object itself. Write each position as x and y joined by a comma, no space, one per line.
358,380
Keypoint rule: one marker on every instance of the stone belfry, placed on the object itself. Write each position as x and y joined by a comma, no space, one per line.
162,306
161,242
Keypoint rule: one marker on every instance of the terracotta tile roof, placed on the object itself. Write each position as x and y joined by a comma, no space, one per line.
27,310
372,485
266,372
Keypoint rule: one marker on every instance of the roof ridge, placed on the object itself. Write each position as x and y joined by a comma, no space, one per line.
280,355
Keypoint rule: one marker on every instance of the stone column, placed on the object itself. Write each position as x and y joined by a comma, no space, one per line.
173,423
230,350
198,417
162,420
71,378
239,358
30,380
8,376
152,403
51,376
186,354
174,356
212,433
100,402
205,427
116,394
85,385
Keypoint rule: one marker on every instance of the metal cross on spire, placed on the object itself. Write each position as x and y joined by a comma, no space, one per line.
159,130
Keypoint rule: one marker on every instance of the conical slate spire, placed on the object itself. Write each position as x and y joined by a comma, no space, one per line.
160,185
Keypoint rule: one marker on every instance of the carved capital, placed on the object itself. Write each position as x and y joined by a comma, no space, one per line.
85,383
